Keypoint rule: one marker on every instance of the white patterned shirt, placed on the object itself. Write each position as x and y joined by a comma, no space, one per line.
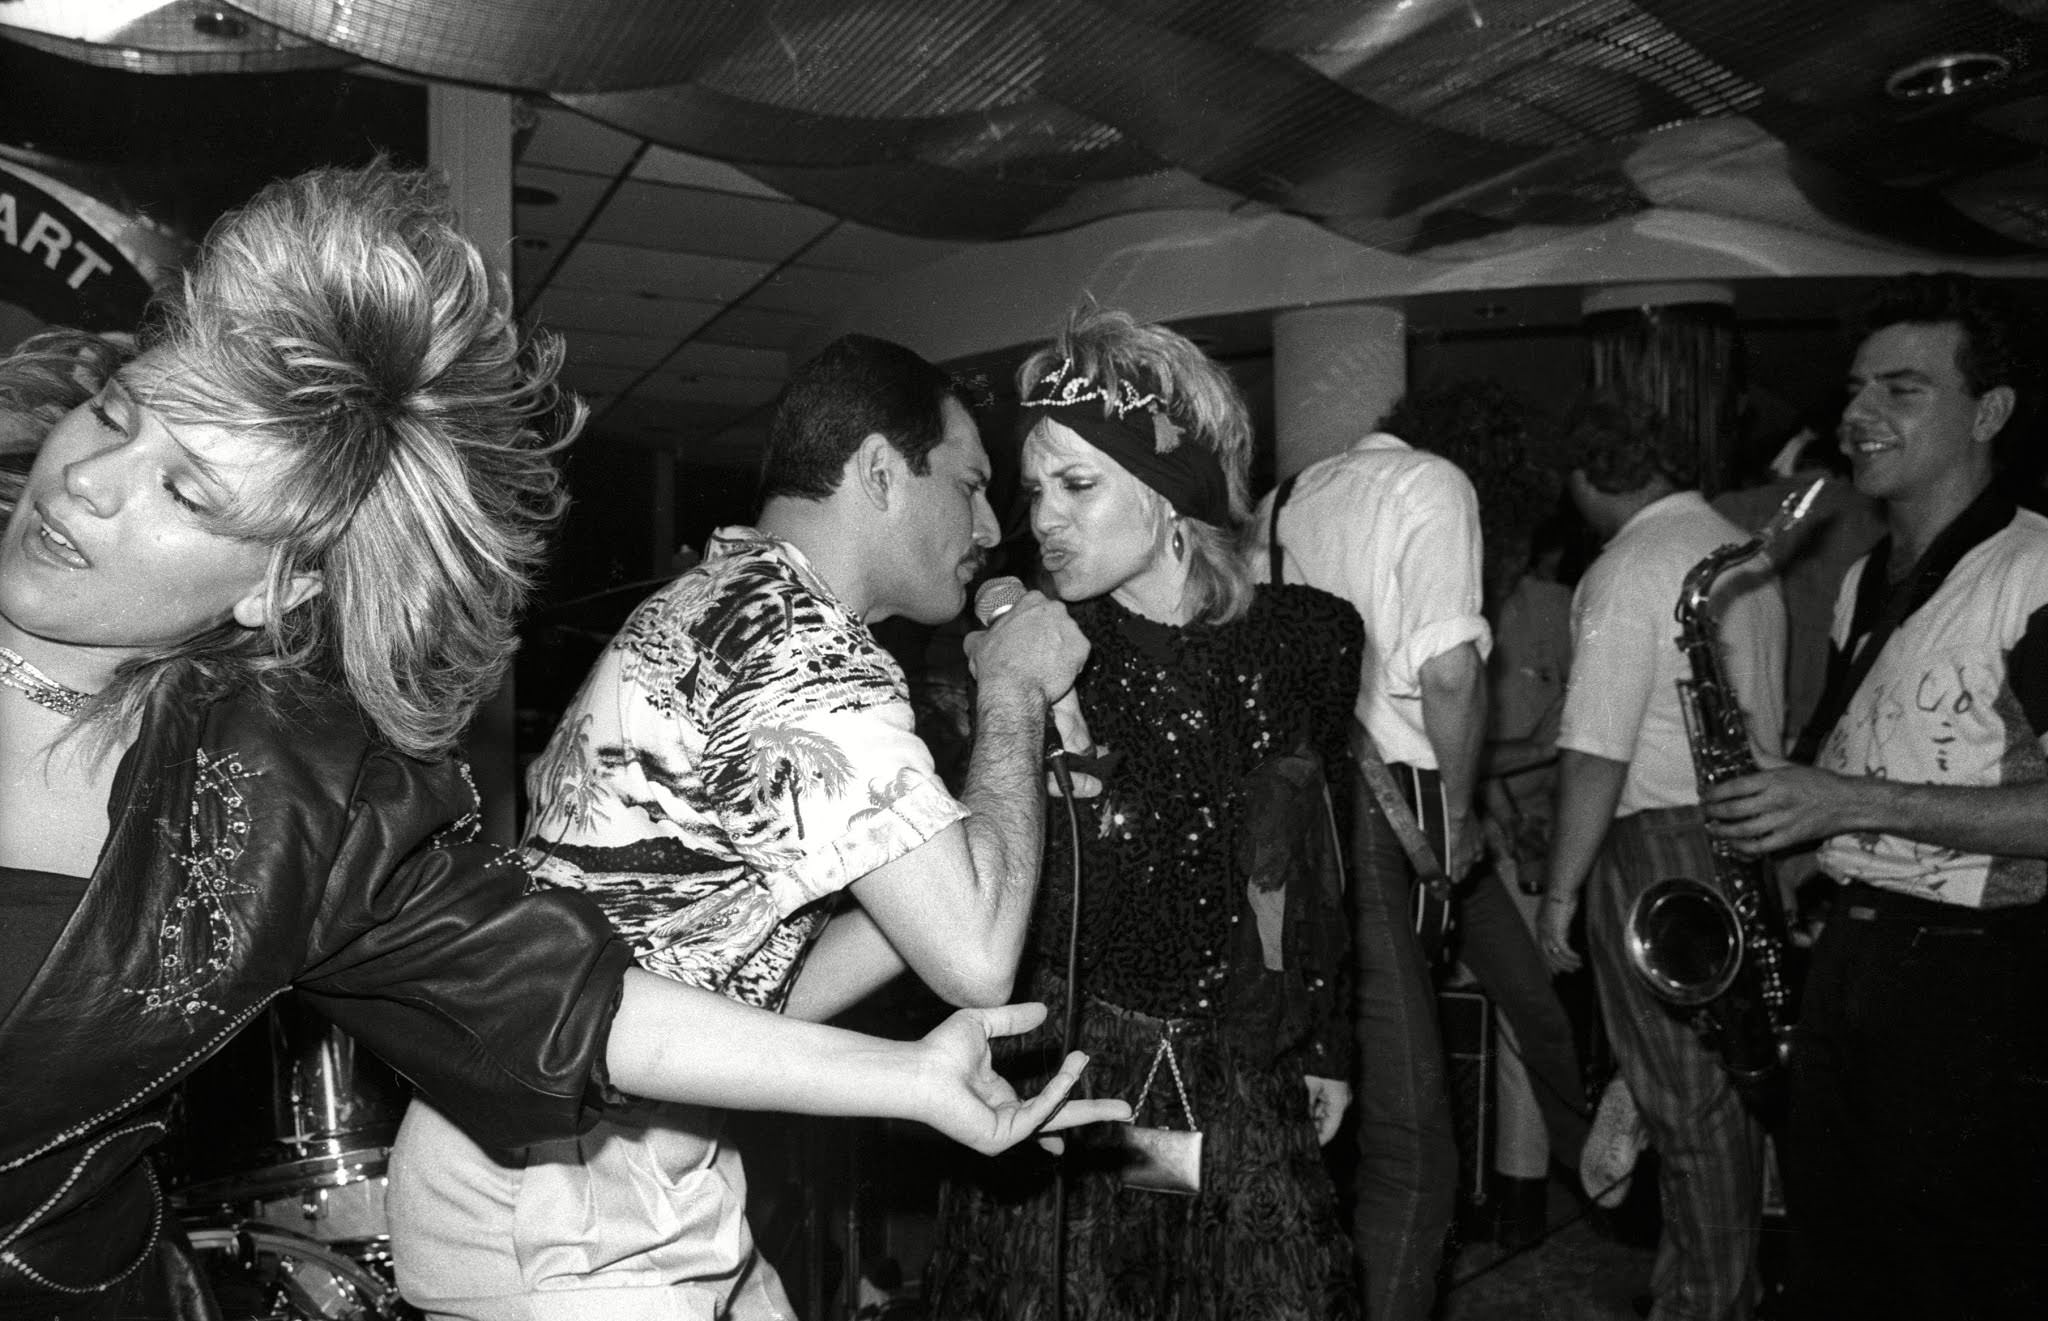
1958,696
742,750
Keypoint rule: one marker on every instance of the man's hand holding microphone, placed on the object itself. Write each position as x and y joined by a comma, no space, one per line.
1030,647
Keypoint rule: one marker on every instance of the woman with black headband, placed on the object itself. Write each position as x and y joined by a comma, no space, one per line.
1208,938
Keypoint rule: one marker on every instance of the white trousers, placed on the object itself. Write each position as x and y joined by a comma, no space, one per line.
640,1220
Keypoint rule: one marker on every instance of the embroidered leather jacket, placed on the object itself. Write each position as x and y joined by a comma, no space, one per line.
251,853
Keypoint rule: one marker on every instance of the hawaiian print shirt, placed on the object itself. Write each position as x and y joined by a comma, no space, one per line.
742,750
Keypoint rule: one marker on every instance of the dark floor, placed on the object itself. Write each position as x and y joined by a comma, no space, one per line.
1590,1267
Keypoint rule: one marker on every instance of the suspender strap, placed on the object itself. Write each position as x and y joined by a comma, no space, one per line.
1879,611
1273,566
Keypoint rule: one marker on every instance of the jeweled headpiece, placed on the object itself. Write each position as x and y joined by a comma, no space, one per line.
1135,426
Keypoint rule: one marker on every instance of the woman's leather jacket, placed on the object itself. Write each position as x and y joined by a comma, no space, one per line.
251,851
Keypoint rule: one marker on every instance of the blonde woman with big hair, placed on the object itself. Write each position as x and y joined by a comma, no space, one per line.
254,582
1209,946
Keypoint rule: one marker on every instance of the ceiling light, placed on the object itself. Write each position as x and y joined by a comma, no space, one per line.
220,23
1947,75
525,194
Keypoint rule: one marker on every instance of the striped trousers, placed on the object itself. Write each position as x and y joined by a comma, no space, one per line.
1709,1147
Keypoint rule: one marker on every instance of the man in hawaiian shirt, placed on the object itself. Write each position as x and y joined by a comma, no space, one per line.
741,757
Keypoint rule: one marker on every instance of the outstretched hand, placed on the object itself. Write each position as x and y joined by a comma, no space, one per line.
968,1101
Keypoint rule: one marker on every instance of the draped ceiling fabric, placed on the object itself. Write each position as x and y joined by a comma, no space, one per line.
163,36
1405,124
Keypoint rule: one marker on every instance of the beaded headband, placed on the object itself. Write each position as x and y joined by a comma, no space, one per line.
1136,428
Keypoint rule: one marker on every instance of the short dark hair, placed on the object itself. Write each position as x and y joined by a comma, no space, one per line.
857,386
1621,443
1499,443
1991,319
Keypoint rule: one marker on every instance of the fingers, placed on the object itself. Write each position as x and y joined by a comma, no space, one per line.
1009,1020
1085,786
1051,1110
1094,1110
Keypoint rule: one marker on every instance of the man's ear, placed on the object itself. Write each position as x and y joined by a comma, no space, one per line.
254,610
1994,409
877,471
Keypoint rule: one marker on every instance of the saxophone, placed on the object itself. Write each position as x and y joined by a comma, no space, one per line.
1718,947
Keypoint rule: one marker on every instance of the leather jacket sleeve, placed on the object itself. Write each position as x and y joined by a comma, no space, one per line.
493,997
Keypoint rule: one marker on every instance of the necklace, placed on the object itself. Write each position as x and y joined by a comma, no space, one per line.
40,688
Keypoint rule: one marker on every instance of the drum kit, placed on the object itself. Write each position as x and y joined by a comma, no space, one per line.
277,1169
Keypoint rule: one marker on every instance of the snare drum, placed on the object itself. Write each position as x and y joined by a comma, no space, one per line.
350,1216
292,1115
258,1273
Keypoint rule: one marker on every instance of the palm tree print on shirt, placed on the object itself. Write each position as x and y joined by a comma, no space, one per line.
787,758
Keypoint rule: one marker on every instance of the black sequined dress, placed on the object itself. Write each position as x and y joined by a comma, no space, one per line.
1167,935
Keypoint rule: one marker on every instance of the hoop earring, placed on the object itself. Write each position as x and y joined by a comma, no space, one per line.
1180,546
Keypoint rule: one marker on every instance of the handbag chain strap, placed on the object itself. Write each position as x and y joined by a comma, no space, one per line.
1173,1064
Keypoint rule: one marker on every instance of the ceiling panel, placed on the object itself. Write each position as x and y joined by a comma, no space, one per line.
624,269
636,314
567,141
575,197
811,291
596,383
761,328
857,247
735,391
608,350
717,224
666,165
698,359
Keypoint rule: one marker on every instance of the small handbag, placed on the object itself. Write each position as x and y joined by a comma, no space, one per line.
1162,1160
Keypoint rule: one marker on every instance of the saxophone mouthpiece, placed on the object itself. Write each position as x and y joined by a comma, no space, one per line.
1790,515
1800,503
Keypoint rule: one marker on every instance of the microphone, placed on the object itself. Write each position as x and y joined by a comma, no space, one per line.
997,597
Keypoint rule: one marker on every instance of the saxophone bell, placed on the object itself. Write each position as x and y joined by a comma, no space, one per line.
1685,940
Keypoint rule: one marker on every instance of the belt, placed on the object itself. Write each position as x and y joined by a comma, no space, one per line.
1860,901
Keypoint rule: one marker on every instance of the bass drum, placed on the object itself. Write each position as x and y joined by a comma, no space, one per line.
262,1273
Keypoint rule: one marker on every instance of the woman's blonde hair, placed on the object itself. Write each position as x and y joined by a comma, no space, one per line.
342,321
1110,348
46,376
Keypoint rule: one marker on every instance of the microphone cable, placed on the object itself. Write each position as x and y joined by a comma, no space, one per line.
991,602
1070,1026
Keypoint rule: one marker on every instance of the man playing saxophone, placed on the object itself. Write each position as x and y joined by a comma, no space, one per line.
1917,1160
1628,816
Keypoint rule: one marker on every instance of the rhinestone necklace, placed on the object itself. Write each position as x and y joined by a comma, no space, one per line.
40,688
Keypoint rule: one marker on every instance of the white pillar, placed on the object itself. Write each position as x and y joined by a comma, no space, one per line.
1336,371
469,139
